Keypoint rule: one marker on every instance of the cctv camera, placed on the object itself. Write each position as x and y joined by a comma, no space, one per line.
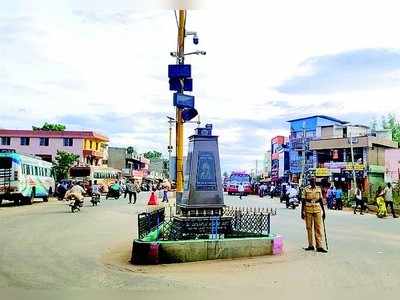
195,39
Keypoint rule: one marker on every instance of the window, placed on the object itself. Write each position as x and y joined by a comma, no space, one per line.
5,141
28,170
44,141
97,146
90,145
25,141
68,142
36,171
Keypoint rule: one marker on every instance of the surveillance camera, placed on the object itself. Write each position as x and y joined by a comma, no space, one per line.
195,39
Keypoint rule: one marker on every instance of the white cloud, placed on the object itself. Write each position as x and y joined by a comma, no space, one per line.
100,57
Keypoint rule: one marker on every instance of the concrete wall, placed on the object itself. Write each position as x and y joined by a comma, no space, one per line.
392,165
376,156
198,250
117,157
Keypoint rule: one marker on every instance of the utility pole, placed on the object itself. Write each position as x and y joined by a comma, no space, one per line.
180,57
352,157
170,121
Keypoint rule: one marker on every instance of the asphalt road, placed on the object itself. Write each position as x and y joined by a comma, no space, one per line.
44,248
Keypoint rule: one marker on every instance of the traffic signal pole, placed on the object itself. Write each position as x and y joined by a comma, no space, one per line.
179,121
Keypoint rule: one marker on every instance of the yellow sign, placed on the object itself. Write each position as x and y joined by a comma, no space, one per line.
357,167
322,172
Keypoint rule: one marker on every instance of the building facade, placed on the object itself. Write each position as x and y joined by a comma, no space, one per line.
333,157
279,159
392,165
302,131
90,146
132,165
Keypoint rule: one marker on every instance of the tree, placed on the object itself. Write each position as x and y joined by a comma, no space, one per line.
390,122
225,174
131,150
63,162
153,155
50,127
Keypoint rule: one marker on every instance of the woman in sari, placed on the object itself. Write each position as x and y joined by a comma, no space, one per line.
380,201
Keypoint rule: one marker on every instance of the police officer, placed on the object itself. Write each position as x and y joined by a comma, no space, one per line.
312,211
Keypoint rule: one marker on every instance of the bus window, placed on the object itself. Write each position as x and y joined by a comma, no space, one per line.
5,162
36,171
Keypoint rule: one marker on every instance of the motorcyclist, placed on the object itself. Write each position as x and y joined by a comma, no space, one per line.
76,192
95,189
292,193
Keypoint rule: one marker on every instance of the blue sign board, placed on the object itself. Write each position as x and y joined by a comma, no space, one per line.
183,101
179,71
206,179
175,84
188,114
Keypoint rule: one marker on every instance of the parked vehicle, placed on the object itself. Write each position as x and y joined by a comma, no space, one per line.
24,178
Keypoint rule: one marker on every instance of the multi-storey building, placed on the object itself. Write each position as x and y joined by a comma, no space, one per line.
279,158
132,165
90,146
333,156
302,131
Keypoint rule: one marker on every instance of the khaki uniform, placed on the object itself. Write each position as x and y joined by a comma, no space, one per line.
313,215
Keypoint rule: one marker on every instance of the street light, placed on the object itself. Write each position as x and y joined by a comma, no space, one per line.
197,52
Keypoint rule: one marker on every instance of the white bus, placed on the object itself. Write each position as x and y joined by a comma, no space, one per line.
24,178
102,174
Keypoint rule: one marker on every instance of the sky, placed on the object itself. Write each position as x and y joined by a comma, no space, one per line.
102,66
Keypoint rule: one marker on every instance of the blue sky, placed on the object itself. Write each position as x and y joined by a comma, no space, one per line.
102,65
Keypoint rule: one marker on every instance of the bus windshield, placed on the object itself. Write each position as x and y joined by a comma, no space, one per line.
240,178
5,162
79,172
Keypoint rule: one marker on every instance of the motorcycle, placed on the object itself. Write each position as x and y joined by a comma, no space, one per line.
292,203
74,204
113,194
95,199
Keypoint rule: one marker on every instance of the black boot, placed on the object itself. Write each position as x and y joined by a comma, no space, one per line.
322,250
309,248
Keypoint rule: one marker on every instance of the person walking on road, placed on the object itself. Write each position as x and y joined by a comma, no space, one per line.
359,201
338,198
330,197
380,201
313,212
389,199
129,189
241,190
165,194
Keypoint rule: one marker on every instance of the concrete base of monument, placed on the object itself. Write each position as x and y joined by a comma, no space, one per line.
146,252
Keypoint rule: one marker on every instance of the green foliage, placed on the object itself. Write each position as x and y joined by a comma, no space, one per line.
153,155
50,127
63,162
390,122
225,174
131,150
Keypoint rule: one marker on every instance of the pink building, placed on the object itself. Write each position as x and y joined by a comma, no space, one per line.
392,165
90,146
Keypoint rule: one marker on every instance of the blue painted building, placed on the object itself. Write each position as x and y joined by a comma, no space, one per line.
301,132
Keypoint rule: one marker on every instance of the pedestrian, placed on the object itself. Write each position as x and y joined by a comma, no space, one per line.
136,190
129,189
338,198
380,202
241,190
359,201
272,191
330,197
313,212
165,194
389,198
